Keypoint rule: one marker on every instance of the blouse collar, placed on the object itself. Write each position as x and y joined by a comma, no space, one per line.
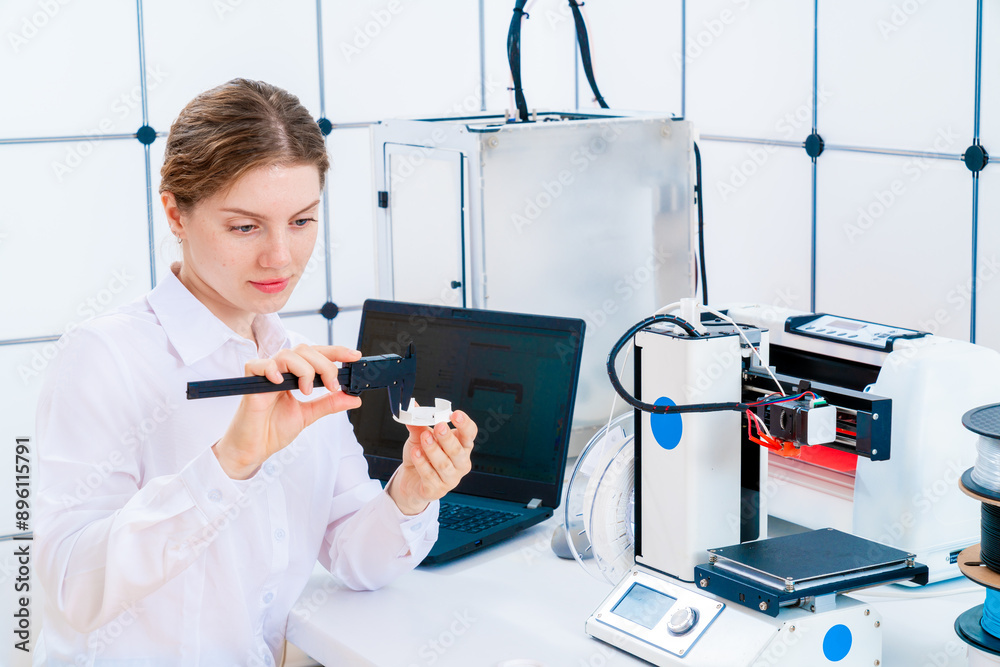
195,332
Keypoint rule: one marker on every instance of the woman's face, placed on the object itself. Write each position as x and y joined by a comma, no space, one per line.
246,248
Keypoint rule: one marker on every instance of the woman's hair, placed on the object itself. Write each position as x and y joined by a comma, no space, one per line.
232,129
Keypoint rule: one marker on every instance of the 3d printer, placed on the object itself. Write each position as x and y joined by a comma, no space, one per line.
706,587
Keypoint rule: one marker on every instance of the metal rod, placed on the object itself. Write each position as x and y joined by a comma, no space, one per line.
812,252
835,147
482,56
975,254
684,59
327,243
815,90
17,536
893,151
360,123
149,213
748,140
319,50
29,340
979,69
142,66
298,313
75,137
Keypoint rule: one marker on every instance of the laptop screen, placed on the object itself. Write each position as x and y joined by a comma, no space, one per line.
514,374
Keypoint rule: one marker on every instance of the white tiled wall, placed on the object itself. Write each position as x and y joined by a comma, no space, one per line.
749,68
893,77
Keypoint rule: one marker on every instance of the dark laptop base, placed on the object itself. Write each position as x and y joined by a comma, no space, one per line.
451,543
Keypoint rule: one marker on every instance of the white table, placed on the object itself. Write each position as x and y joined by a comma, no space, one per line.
518,600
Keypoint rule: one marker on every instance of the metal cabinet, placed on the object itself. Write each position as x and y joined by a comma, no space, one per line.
579,215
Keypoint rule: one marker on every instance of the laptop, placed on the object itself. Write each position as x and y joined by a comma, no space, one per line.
515,375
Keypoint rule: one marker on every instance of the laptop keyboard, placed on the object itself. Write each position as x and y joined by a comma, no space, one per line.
469,519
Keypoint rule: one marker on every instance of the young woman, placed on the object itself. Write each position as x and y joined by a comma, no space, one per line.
181,533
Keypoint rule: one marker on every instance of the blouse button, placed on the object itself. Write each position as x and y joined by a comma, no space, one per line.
214,495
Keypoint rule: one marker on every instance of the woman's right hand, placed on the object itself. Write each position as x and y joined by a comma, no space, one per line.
266,423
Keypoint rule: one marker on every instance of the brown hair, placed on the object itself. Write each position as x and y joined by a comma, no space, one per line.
234,128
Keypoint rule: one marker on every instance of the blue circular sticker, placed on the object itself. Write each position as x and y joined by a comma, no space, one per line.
667,429
837,643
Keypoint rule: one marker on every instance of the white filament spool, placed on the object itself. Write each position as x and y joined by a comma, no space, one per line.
987,470
608,510
984,421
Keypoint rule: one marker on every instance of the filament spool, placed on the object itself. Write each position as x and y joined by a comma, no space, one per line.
979,627
985,421
991,613
989,549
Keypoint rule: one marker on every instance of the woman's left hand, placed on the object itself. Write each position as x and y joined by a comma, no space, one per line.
434,461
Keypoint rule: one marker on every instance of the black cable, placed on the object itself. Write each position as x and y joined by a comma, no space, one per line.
650,407
584,42
514,58
701,225
989,550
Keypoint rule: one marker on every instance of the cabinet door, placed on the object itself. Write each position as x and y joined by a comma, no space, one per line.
426,225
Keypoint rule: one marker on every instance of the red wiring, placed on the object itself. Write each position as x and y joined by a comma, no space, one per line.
782,447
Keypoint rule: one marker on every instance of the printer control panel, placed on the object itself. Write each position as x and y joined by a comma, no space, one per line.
849,331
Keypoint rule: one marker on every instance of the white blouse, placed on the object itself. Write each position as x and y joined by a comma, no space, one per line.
148,553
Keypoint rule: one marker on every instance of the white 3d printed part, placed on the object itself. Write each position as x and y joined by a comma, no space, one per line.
418,415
